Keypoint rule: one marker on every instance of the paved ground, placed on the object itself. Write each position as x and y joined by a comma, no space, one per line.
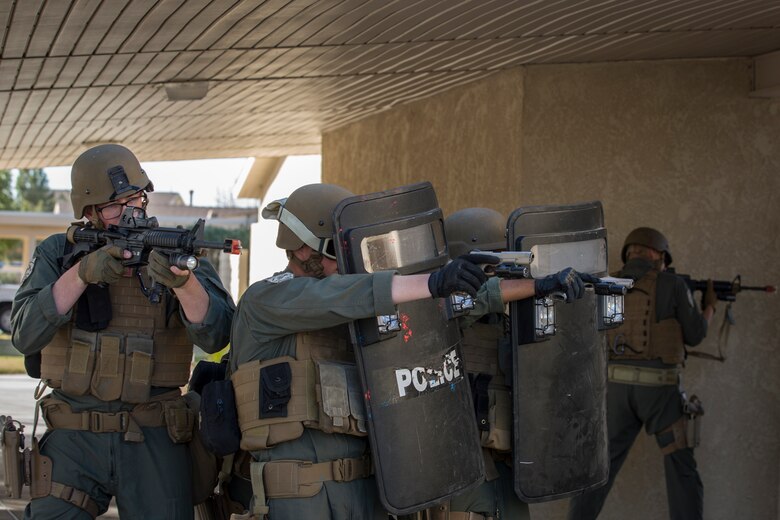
16,400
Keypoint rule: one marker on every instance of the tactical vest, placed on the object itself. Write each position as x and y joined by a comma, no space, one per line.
492,397
136,351
642,336
318,388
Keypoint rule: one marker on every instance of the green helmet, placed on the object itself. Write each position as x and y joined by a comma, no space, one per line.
474,228
648,237
306,216
104,173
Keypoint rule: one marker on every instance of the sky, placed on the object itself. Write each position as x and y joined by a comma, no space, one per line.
212,180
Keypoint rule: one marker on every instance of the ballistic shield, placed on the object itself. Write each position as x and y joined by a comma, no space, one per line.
424,441
560,445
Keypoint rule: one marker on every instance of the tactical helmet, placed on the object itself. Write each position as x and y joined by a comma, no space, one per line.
306,216
474,228
104,173
648,237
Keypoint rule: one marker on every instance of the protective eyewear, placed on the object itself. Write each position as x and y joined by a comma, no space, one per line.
113,210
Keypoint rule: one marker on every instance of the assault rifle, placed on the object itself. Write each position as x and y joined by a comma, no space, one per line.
140,234
725,291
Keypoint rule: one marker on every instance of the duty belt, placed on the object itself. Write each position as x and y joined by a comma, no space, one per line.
283,478
638,375
299,479
58,415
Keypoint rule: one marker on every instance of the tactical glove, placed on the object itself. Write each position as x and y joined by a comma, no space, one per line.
463,274
160,271
569,282
102,266
709,298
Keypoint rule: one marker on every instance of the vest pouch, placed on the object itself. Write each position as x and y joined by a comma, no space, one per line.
79,363
108,375
13,461
275,390
139,364
179,420
499,435
301,409
340,399
218,418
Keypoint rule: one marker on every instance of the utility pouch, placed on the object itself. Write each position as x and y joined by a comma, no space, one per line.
219,419
179,420
275,390
12,443
137,384
694,409
79,363
107,378
258,432
204,463
499,435
40,468
340,399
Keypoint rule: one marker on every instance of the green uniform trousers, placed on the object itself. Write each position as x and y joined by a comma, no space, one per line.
657,407
150,479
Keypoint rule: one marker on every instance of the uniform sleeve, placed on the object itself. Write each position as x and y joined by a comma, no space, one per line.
271,310
214,333
487,301
693,324
34,316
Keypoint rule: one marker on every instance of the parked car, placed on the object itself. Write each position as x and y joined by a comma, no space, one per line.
7,292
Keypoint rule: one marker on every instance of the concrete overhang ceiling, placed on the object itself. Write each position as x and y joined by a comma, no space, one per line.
176,79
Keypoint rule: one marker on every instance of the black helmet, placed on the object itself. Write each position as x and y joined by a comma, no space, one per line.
648,237
474,228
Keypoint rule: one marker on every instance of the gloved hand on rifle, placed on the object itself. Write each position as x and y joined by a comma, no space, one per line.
103,265
160,271
568,282
709,298
463,274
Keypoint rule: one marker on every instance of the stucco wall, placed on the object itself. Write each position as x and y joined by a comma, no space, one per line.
676,145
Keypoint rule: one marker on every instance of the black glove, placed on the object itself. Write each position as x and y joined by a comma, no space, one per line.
569,282
463,274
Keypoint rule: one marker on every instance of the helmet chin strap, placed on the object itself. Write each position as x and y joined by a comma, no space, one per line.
312,266
94,218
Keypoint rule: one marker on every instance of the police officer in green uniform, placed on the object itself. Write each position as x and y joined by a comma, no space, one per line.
117,423
646,355
487,357
288,335
288,338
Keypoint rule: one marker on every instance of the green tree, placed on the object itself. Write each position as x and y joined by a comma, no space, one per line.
33,192
6,193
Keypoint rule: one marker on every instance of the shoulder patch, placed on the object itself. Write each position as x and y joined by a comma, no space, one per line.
279,278
29,270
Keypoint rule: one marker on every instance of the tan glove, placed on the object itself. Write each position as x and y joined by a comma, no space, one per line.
160,271
102,266
709,298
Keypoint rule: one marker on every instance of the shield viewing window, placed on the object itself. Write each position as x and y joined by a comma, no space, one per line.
402,247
